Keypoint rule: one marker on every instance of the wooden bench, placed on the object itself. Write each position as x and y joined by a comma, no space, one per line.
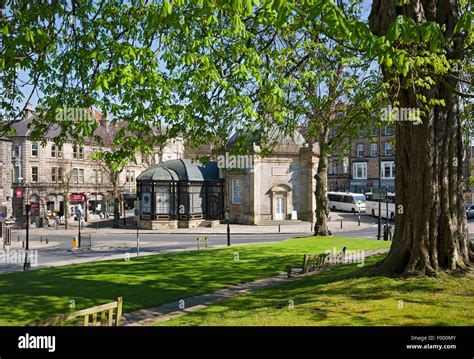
316,262
102,315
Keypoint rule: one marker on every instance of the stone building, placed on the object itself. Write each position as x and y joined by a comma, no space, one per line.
46,173
358,171
256,189
6,192
364,161
276,187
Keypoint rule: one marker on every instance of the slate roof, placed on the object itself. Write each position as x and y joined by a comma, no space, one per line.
181,170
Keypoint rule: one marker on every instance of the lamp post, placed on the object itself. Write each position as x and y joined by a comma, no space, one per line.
79,216
26,264
228,225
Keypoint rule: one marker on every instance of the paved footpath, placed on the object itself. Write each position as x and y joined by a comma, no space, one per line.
150,316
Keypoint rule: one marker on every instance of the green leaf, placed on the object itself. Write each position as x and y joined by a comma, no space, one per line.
167,9
29,36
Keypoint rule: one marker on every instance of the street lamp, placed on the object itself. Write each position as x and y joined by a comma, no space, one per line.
26,264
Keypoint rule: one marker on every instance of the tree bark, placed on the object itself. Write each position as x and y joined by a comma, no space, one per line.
431,226
116,210
321,191
66,211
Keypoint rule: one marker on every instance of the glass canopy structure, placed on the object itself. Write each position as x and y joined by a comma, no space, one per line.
180,193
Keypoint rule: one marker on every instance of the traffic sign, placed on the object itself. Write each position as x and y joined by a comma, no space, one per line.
379,193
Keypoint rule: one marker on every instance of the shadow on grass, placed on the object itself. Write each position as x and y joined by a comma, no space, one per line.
149,281
352,293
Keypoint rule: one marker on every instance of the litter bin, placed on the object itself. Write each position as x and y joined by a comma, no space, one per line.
387,232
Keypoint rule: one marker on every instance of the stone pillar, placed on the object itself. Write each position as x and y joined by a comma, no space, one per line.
309,159
255,190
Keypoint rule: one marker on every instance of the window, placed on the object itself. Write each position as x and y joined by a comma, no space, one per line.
388,170
78,152
163,197
130,176
56,174
373,149
361,134
34,174
360,150
196,204
16,174
78,175
56,151
236,191
17,150
360,170
96,176
345,166
388,149
34,150
388,131
146,202
332,167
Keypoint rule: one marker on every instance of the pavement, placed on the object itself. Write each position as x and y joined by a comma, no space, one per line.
150,316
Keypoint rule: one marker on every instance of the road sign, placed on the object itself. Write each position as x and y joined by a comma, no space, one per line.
379,193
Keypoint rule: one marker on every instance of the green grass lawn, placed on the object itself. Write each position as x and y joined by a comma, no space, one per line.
152,280
347,295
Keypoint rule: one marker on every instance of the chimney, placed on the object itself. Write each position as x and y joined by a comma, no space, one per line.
29,109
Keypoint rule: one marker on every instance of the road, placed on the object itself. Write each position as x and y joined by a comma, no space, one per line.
120,245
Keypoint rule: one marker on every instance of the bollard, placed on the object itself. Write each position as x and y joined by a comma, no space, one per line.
18,238
279,228
311,227
341,223
23,244
47,240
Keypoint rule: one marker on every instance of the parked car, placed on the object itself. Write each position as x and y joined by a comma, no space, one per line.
470,210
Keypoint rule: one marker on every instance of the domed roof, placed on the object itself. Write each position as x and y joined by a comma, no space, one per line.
181,170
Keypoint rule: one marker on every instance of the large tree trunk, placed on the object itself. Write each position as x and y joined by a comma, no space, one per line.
321,191
431,226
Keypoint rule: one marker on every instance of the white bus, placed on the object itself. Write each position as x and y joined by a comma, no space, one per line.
346,201
372,205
